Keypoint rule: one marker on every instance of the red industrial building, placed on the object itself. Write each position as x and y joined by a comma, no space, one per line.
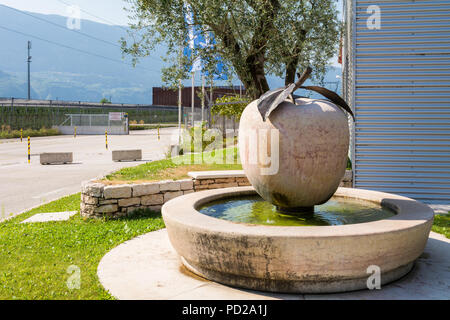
168,97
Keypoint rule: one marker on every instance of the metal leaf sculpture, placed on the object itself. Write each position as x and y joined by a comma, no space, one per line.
332,96
270,100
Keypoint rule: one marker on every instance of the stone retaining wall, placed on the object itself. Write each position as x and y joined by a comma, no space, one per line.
99,200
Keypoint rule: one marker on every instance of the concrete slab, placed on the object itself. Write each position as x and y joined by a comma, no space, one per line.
51,216
217,174
147,267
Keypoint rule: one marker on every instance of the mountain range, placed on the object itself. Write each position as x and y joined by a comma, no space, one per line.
85,64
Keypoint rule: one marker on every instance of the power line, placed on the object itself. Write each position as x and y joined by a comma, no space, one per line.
72,48
93,15
73,30
116,24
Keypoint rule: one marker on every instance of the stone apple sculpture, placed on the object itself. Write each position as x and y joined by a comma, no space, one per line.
311,146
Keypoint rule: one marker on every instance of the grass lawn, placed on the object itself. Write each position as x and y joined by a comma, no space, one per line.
35,257
441,224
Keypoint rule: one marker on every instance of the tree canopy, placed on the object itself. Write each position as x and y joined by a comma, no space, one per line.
254,38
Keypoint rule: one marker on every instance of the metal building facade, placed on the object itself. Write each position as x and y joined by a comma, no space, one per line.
397,80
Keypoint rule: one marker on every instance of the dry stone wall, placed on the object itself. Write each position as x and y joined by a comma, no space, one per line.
99,200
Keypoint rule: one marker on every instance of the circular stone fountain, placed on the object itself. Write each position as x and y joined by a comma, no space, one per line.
306,236
298,259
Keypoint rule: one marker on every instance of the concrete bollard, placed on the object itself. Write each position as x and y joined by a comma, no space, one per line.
56,157
127,155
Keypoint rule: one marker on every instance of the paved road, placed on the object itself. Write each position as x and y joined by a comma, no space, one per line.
24,185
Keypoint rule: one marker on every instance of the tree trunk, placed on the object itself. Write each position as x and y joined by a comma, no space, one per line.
291,68
291,65
255,80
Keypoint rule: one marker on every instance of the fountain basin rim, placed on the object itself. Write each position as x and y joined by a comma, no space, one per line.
300,259
409,214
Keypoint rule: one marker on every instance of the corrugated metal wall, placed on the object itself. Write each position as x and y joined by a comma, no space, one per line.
401,97
348,70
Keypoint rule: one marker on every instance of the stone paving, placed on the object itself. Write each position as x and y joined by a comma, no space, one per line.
147,267
50,216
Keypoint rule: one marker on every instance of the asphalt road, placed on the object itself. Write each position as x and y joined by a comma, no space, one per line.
24,185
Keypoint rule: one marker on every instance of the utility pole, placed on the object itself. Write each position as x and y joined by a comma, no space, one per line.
179,111
179,97
203,96
29,62
211,102
193,96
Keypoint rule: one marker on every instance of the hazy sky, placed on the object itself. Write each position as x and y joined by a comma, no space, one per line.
103,11
110,10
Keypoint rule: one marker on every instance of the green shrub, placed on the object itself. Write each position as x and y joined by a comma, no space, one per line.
206,140
7,133
149,126
230,106
193,133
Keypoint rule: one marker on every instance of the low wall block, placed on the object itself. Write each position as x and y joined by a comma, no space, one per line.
126,155
114,201
56,157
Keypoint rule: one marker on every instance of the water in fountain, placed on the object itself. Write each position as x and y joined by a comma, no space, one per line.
255,210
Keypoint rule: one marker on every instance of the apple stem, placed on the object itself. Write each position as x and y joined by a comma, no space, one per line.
301,79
